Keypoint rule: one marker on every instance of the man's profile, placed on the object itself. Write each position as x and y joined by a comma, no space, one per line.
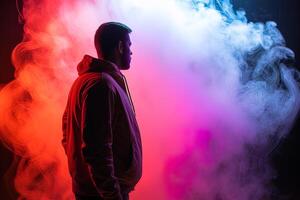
100,133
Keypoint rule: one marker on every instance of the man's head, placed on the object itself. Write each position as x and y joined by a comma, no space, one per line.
112,43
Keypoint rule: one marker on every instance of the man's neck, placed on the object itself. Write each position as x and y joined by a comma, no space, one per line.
113,61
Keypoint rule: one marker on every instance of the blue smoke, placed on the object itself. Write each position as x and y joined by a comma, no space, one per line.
268,94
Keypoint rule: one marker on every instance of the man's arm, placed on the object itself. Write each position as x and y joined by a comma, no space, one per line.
97,112
64,129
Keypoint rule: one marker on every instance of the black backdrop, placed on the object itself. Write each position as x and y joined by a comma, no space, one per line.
286,159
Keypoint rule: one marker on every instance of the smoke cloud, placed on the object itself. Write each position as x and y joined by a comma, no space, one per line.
214,94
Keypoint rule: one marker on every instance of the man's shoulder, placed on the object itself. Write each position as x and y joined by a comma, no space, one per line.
97,79
106,77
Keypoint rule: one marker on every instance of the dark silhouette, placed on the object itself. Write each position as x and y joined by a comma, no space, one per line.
101,135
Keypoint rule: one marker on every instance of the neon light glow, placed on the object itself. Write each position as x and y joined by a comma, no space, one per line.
212,94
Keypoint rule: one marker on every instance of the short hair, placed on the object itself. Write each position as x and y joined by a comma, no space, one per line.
108,36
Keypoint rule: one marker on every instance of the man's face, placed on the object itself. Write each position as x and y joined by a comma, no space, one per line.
126,53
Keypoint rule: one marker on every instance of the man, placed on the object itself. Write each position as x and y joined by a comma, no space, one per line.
101,135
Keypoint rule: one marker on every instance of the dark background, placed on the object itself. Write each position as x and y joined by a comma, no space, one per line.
285,159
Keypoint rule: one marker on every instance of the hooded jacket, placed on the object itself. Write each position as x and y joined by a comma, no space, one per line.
100,133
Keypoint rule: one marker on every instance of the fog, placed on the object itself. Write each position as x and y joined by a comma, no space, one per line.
214,94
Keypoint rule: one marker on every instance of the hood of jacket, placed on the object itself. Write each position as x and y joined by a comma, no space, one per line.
91,64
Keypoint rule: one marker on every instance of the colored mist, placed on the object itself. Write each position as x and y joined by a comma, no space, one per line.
214,95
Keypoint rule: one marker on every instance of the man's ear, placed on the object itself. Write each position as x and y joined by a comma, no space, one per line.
121,47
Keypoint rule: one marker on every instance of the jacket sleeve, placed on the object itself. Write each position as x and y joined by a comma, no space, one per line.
97,112
64,129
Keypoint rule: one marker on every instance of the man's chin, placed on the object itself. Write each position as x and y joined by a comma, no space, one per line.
125,67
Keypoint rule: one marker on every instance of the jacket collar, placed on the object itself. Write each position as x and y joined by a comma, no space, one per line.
90,64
